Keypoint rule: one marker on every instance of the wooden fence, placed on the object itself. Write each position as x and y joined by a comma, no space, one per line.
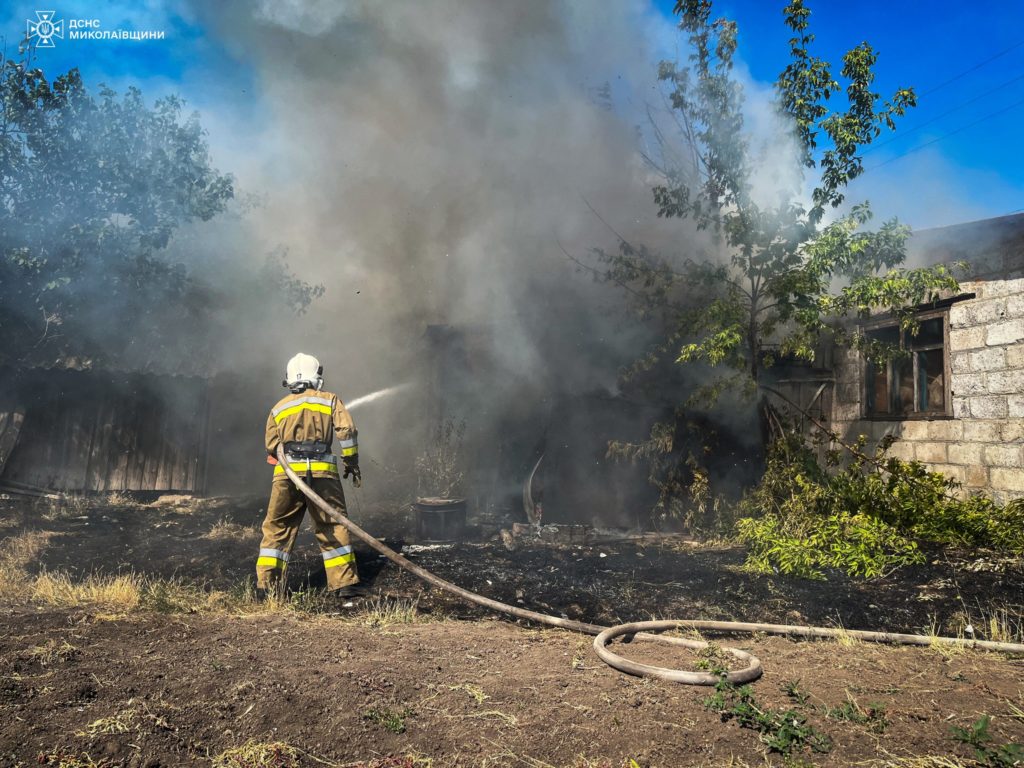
99,431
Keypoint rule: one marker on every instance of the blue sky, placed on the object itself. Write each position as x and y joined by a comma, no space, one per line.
188,61
924,45
977,172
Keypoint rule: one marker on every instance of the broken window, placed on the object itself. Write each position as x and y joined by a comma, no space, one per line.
910,378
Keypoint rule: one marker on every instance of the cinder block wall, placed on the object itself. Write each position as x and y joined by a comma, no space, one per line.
982,445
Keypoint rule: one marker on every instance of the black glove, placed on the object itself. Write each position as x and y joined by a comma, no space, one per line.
352,468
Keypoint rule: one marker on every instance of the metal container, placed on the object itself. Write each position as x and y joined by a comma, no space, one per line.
440,519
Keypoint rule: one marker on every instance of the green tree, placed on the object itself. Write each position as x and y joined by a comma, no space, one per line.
778,276
92,187
781,277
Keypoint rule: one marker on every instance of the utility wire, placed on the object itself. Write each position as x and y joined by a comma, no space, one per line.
950,111
977,66
946,135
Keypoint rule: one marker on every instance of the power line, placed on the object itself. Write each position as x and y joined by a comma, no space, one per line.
977,66
950,111
946,135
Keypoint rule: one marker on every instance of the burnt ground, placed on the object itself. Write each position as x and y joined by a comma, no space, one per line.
462,688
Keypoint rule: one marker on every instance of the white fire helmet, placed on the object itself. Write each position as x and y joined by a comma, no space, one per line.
304,371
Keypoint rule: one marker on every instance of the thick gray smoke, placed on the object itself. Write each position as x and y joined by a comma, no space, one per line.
425,162
432,156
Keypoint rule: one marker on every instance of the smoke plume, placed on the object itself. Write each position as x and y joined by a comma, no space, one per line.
427,163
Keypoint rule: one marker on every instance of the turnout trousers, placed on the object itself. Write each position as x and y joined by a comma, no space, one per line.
281,526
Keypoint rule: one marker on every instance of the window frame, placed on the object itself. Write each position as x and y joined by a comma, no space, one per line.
889,321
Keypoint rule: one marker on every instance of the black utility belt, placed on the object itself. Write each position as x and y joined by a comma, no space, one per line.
307,449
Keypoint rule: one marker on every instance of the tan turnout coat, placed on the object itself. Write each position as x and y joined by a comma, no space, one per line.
311,415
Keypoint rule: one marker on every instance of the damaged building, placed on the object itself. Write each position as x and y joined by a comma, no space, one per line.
956,402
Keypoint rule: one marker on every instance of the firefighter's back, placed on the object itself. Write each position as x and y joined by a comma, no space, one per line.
305,416
304,423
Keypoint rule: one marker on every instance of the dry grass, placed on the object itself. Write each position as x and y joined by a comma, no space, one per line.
922,761
118,593
126,592
473,690
68,760
506,756
279,754
258,754
120,499
16,552
52,652
1000,624
226,529
120,722
383,612
1005,626
845,639
1017,713
122,593
945,650
64,507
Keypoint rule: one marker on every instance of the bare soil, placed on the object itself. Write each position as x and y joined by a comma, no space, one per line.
462,689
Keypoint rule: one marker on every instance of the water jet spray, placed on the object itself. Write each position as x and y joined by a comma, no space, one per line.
366,399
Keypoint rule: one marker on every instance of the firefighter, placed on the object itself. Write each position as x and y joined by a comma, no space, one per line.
306,421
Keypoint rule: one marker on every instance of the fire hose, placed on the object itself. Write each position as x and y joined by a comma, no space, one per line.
643,630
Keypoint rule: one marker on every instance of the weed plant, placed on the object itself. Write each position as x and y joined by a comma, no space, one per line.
782,731
986,751
392,720
873,718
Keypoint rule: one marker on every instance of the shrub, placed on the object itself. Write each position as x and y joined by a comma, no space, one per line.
864,519
805,546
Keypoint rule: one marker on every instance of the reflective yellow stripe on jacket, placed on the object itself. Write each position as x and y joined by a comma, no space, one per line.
317,404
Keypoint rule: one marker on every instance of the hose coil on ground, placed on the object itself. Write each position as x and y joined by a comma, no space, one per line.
644,630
